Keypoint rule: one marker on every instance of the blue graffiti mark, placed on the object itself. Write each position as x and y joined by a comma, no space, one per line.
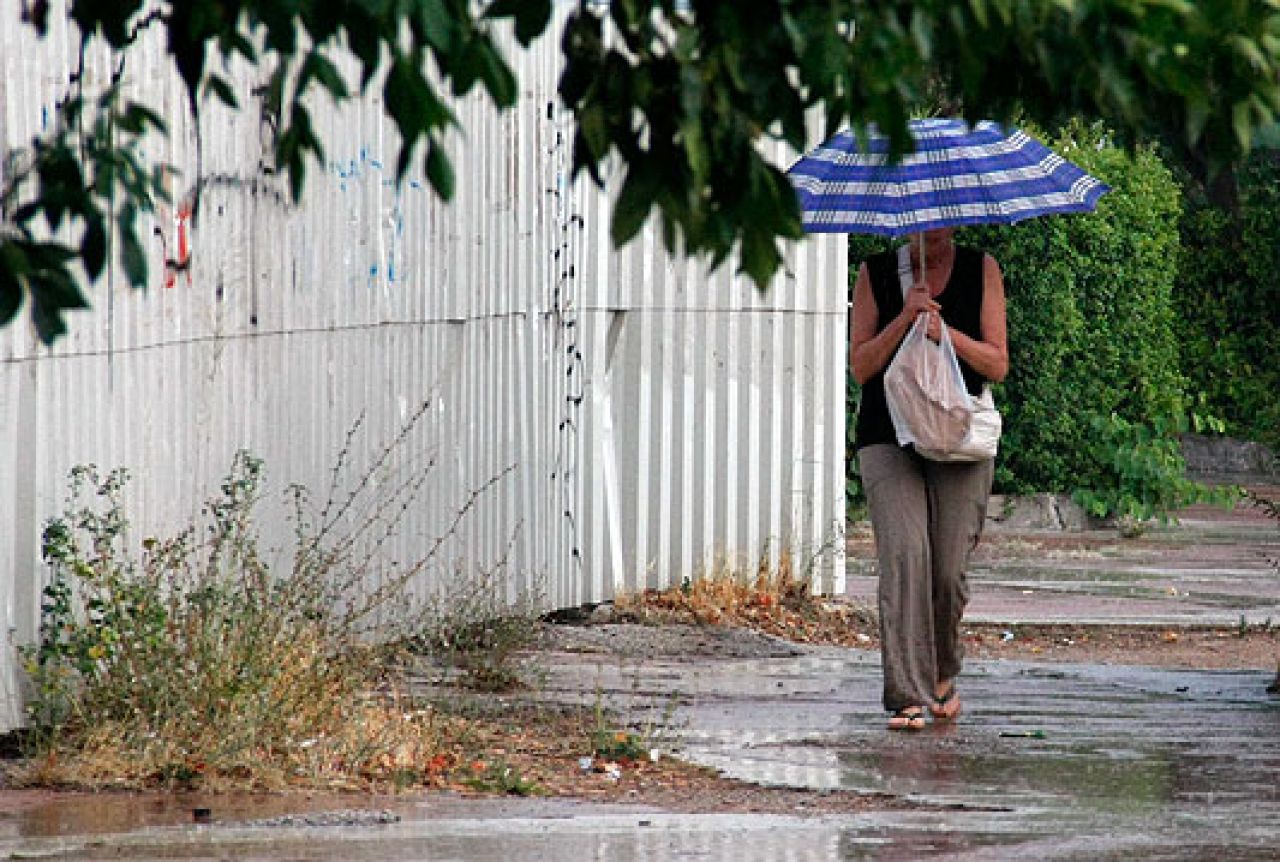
414,184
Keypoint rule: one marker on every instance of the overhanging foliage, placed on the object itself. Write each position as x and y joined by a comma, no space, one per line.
678,93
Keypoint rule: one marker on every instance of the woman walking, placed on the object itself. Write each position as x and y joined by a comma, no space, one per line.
926,515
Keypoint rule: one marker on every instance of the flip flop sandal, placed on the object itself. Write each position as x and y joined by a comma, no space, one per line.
939,705
908,718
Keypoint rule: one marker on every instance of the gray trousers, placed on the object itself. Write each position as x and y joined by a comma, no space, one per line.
927,517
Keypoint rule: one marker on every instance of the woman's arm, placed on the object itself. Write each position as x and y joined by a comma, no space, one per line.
990,356
870,352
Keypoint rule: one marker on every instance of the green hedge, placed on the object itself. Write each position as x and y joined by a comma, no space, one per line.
1091,320
1228,301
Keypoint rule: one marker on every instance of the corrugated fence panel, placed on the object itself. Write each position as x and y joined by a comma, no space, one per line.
608,420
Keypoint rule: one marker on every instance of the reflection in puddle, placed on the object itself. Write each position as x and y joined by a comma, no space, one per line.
41,815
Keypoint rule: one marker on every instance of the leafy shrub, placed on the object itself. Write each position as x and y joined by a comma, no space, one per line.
1150,473
194,661
1227,294
1091,319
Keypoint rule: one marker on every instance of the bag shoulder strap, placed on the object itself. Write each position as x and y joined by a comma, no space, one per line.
905,278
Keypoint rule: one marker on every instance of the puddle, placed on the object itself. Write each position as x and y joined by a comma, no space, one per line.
1072,749
36,814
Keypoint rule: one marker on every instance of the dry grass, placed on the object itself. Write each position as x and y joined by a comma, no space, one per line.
191,661
770,600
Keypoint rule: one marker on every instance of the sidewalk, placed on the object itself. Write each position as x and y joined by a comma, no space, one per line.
1213,567
1062,761
1050,761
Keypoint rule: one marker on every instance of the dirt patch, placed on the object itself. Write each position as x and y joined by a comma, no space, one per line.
515,746
1250,648
551,749
1205,648
632,640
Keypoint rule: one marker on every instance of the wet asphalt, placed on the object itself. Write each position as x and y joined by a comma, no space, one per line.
1049,761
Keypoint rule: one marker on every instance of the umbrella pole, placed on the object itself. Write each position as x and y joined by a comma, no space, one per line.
923,269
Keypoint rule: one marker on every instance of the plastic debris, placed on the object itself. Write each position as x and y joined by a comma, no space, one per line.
1006,636
1023,734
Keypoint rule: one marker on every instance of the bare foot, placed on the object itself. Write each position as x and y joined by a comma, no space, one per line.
946,704
907,718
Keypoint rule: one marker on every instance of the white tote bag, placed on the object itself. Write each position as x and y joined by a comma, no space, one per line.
928,400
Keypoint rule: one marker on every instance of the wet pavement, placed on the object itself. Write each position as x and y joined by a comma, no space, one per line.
1058,761
1049,761
1213,567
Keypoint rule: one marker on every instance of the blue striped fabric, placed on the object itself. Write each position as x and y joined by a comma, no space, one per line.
958,175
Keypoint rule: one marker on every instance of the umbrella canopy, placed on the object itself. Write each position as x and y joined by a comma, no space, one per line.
958,175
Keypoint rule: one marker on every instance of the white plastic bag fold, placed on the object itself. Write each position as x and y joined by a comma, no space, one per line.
925,391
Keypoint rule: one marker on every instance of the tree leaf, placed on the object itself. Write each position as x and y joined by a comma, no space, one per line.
760,257
93,247
218,85
439,170
132,256
48,322
531,16
439,25
12,261
499,80
633,204
319,67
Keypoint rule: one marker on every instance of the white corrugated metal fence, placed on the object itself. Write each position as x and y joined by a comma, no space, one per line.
627,419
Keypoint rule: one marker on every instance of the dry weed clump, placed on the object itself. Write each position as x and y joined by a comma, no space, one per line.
768,599
192,662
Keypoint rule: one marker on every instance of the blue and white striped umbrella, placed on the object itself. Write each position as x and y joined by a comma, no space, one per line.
958,175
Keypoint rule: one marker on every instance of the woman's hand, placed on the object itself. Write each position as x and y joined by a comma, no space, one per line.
917,302
934,328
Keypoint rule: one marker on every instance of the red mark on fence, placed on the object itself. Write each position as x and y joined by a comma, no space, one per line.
181,261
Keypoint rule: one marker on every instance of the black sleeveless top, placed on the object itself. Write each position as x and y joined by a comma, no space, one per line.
961,302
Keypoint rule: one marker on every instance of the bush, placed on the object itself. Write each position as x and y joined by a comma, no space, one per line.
1227,294
1091,319
193,661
